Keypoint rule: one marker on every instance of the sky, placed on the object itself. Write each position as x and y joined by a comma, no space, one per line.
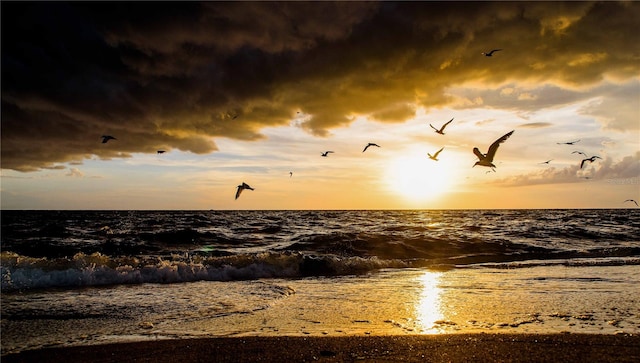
254,92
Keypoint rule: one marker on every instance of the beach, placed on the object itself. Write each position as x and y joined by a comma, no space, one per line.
429,348
285,286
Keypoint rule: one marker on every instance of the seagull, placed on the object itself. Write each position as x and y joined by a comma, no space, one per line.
441,131
567,143
106,138
290,174
487,160
591,159
161,151
370,144
631,200
579,152
435,156
242,187
546,162
489,54
326,153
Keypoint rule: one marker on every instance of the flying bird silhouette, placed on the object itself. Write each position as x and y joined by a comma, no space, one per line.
591,159
487,159
579,152
546,162
161,151
106,138
567,143
435,156
242,187
490,54
631,200
290,174
370,144
326,153
441,131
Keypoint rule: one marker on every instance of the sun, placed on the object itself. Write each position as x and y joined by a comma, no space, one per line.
416,178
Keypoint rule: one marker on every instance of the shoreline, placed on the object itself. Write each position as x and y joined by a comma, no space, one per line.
483,347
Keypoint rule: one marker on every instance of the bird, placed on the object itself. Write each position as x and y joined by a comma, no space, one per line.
546,162
487,159
435,156
290,174
579,152
242,187
631,200
106,138
441,131
490,54
326,153
591,159
161,151
370,144
567,143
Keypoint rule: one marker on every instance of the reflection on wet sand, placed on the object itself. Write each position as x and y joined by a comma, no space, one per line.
428,305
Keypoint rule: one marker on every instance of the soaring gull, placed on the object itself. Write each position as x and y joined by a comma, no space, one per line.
326,153
441,131
106,138
370,144
591,159
631,200
435,156
568,143
490,54
242,187
487,159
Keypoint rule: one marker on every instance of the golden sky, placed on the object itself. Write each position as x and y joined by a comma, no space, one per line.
251,91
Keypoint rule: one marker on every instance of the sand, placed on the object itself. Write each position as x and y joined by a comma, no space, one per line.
416,348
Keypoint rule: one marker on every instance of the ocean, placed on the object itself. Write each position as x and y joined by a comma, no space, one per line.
90,277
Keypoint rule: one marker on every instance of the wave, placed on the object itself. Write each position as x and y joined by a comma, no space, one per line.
23,273
20,272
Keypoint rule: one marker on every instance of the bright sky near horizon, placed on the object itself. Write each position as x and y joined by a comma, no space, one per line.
251,91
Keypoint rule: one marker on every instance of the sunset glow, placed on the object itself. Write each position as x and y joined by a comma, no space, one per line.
231,96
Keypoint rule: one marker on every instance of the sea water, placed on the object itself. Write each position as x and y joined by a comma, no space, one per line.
88,277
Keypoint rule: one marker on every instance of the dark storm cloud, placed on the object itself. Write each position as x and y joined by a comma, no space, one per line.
177,75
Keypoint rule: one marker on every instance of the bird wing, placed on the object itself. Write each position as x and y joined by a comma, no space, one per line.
433,127
438,152
240,189
582,163
445,125
478,153
494,147
494,50
366,147
246,186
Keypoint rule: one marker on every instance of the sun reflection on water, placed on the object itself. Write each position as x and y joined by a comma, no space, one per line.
428,307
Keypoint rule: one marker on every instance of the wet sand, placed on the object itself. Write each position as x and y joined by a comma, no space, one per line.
415,348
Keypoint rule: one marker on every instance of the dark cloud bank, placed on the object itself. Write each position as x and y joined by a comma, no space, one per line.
166,75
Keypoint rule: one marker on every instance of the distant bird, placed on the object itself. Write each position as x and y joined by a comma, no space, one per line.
490,54
242,187
579,152
290,174
161,151
591,159
487,159
567,143
546,162
441,131
631,200
106,138
370,144
326,153
435,156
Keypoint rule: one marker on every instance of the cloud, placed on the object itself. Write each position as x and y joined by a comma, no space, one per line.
625,169
170,75
75,172
536,125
